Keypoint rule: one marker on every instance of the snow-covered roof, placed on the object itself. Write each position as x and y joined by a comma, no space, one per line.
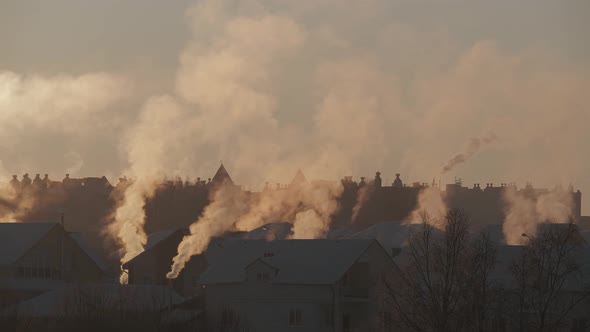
273,231
17,238
391,233
74,299
297,261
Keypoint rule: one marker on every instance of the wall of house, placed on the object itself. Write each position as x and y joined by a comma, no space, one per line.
362,291
354,302
152,266
44,260
266,306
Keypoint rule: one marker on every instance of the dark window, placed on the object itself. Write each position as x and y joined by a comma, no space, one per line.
580,325
262,277
346,326
228,317
329,315
295,317
385,320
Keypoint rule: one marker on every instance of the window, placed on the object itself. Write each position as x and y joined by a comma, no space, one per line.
228,317
262,277
329,310
346,326
579,325
295,317
385,320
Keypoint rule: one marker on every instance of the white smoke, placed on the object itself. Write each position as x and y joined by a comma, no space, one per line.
430,207
526,209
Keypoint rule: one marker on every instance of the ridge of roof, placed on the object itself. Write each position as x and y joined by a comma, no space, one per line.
328,259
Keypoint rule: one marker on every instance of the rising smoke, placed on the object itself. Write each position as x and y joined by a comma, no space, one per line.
474,145
309,206
268,85
526,209
42,118
430,207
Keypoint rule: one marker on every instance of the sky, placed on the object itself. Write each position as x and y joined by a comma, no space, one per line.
334,87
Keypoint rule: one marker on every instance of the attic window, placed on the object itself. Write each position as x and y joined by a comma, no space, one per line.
269,254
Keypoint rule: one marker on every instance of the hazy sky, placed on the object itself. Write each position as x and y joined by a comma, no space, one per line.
334,87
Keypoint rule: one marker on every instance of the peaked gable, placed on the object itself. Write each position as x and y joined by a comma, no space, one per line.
298,179
222,176
17,238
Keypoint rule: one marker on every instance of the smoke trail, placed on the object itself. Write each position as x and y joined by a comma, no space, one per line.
228,202
309,225
312,204
362,196
526,209
474,145
150,150
430,204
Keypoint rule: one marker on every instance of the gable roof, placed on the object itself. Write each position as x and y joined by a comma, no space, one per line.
154,239
298,179
91,253
298,261
222,176
391,233
17,238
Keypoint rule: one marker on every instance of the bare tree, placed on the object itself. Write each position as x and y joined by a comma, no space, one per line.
549,278
483,295
435,287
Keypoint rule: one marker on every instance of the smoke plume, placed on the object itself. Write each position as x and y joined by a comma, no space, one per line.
430,207
474,145
362,196
228,202
526,209
309,206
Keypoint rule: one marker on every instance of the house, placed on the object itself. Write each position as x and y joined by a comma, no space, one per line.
151,266
392,235
296,285
36,257
99,307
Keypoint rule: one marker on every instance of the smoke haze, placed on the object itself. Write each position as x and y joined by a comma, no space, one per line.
271,86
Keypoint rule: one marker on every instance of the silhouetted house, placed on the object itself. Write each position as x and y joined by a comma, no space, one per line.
270,232
393,235
221,177
151,266
98,301
296,285
96,183
37,257
298,180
